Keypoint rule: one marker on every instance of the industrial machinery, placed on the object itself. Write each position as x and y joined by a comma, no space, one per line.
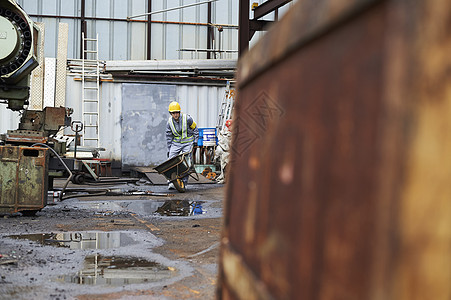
25,152
18,54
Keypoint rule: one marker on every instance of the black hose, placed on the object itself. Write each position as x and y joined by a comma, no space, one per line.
63,163
86,195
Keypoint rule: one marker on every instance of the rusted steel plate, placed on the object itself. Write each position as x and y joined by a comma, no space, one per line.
23,178
309,21
26,136
339,179
54,118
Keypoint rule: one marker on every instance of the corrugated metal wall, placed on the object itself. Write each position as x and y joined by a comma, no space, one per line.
122,40
200,101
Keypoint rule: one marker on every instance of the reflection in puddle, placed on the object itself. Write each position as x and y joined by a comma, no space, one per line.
80,240
163,208
181,208
118,270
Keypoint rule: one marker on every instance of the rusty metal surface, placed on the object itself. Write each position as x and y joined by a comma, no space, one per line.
341,142
23,178
55,117
49,119
26,136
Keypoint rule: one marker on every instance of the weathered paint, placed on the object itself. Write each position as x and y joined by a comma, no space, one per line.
339,178
144,117
23,178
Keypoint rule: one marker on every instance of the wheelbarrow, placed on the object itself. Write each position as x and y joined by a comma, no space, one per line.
174,169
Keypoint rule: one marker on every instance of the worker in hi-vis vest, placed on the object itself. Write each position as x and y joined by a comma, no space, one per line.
181,133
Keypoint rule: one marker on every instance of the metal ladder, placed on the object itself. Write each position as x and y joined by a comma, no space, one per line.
90,82
226,107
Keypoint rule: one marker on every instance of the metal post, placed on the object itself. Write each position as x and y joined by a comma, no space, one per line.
149,30
209,31
82,28
243,32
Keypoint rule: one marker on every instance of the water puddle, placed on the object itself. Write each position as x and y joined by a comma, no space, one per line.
162,208
118,270
80,240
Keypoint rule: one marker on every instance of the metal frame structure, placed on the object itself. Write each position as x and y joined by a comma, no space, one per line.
83,24
248,27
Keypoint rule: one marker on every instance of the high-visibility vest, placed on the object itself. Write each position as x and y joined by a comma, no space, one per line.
184,138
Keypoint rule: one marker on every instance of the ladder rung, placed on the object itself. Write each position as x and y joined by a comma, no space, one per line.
90,73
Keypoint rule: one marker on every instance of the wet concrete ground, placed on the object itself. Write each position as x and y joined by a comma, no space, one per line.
115,247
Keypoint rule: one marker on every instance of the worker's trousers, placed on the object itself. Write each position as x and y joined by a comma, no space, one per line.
176,149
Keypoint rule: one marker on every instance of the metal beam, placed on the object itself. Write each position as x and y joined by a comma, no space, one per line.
268,7
149,30
243,31
209,31
257,25
169,9
82,27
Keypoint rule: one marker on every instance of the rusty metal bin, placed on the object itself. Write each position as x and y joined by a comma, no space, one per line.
339,180
23,179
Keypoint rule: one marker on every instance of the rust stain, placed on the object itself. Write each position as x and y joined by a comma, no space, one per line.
339,180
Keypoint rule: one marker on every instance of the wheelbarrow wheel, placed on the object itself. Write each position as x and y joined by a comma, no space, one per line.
178,183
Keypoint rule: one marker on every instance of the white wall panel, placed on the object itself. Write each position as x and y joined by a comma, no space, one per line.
9,120
138,44
51,37
119,41
30,6
158,35
49,81
67,8
105,44
51,7
103,9
121,9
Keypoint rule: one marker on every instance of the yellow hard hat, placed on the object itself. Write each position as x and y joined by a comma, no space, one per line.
174,107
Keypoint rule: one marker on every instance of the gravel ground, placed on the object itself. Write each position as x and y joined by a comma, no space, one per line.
115,247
